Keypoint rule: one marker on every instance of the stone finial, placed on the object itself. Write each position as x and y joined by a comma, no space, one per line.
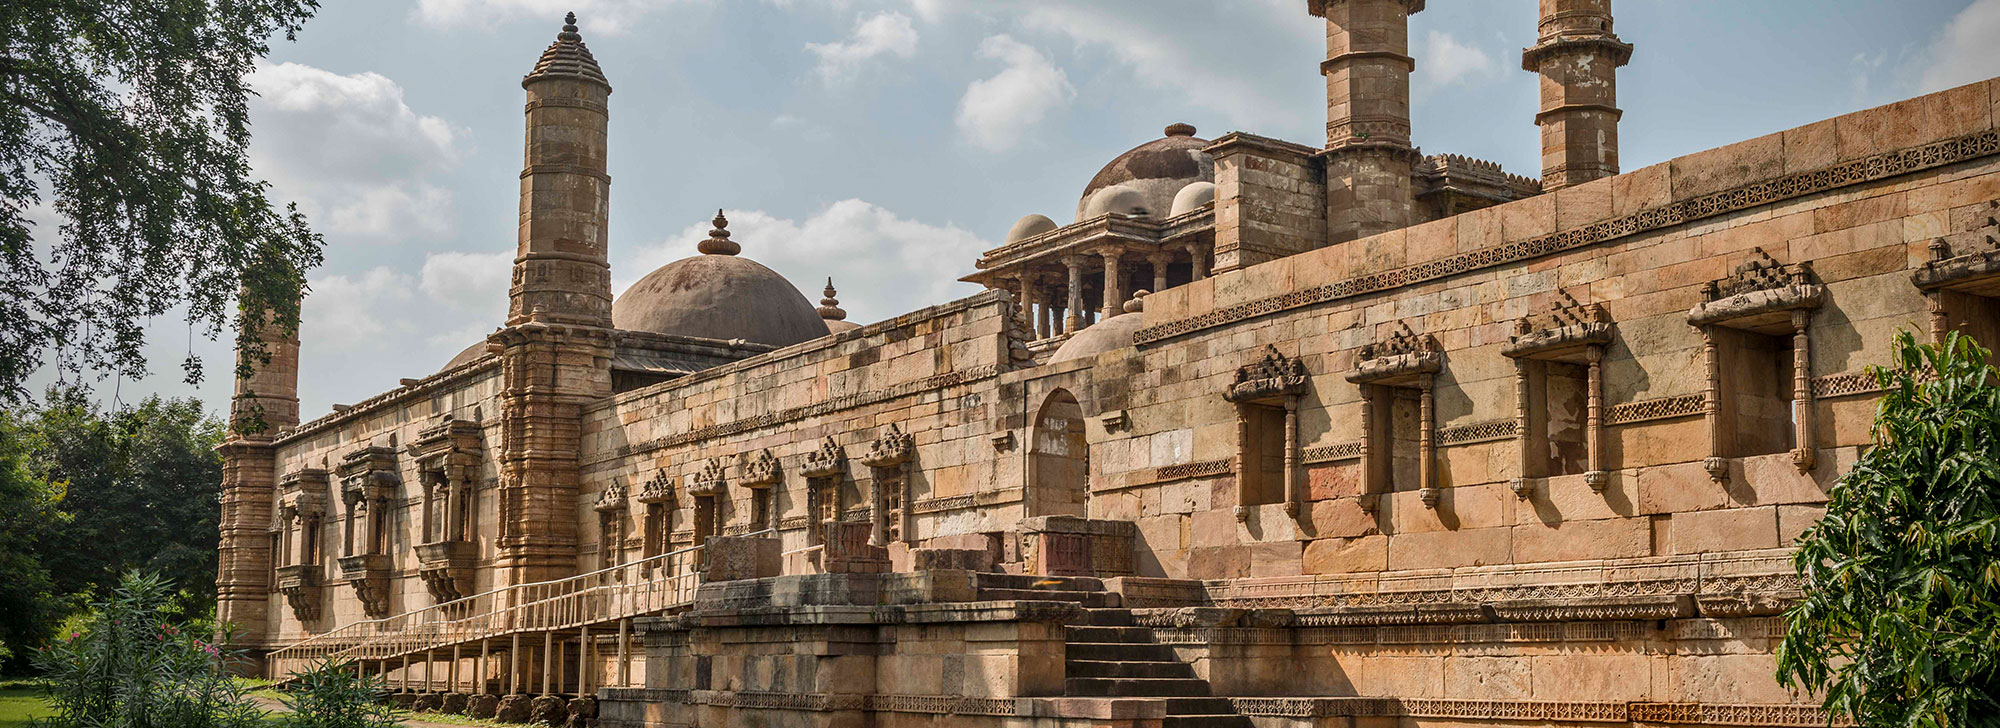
718,242
569,29
1180,130
1138,302
567,57
829,307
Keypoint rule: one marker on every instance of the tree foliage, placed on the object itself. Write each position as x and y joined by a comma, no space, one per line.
137,662
29,607
128,122
1900,620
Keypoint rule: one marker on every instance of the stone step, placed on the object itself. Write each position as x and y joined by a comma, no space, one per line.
1219,720
1093,633
1037,581
1086,598
1120,652
1199,706
1124,668
1107,617
1135,687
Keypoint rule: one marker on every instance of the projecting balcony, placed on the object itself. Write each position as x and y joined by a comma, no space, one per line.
368,574
446,568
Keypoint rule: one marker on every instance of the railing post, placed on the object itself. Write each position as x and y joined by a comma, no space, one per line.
514,666
583,661
625,653
548,651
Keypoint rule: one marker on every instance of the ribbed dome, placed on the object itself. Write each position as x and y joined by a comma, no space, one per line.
718,295
1157,170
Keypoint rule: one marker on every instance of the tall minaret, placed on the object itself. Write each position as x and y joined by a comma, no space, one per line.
562,272
1368,152
265,404
1578,57
555,351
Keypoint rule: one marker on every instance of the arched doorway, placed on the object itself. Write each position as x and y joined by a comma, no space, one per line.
1058,459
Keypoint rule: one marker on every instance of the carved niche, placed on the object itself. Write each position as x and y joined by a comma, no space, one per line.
611,507
369,485
1964,263
888,459
657,495
823,469
449,466
301,511
761,475
1260,388
1406,360
707,487
1764,297
1573,334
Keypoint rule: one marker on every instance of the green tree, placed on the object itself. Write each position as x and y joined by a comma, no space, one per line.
143,486
128,122
136,662
1900,620
29,607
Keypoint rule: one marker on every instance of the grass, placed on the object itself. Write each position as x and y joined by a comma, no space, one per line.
19,704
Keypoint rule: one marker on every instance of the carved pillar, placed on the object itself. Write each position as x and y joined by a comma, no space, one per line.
1806,453
1114,295
1934,300
1198,256
1426,442
1370,481
1523,432
1593,433
1160,261
1243,466
1711,408
1045,320
1295,496
1075,307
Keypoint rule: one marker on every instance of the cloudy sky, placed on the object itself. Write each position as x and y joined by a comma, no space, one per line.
886,143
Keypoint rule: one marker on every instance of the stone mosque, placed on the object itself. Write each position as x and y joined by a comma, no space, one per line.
1284,434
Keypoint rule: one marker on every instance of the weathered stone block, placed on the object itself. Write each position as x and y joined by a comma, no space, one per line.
482,706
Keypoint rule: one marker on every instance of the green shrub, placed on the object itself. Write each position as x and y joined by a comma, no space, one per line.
133,663
1900,620
333,694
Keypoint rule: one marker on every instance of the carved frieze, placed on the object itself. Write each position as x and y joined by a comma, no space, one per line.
1271,376
1758,296
829,461
761,471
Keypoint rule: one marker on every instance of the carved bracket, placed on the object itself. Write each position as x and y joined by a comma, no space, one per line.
892,448
708,482
447,569
611,499
300,585
1404,360
1758,296
368,575
1969,257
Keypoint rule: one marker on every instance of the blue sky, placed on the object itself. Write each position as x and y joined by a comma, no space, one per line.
887,142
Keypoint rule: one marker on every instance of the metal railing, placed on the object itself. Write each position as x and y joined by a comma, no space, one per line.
641,587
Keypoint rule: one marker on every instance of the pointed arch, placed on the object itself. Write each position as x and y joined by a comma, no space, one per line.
1058,458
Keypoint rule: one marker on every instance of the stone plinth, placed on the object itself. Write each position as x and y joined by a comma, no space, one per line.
729,558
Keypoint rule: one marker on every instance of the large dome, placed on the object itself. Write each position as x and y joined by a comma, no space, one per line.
1156,170
719,295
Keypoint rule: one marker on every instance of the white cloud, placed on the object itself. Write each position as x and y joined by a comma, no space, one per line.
357,313
996,112
1968,50
354,155
883,264
473,283
1445,61
881,34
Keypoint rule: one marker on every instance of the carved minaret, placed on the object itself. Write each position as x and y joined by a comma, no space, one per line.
1578,57
556,348
265,403
1368,152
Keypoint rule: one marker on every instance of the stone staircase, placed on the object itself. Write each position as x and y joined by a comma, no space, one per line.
1107,656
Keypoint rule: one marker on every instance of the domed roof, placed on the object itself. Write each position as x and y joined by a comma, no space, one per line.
1029,226
470,354
1109,334
718,295
1156,170
1191,198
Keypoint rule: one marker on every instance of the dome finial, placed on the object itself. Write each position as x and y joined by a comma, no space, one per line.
718,242
829,307
569,29
1180,130
1138,302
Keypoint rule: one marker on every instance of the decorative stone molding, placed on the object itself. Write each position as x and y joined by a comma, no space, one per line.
299,583
709,481
1185,471
1571,333
658,489
446,568
368,575
611,498
1766,297
1966,261
1855,171
1115,421
1660,408
1845,384
1270,377
1332,453
892,448
1405,360
761,471
1476,432
1071,546
829,461
449,466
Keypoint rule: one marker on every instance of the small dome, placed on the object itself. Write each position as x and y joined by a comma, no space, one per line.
1156,170
1028,227
469,355
1119,199
719,295
1192,197
1109,334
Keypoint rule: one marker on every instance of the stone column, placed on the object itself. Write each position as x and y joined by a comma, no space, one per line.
1075,307
1368,153
1427,443
1593,431
1369,484
1243,464
1523,439
1295,496
1805,453
1159,261
1198,257
1114,295
1045,322
1715,464
1578,57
